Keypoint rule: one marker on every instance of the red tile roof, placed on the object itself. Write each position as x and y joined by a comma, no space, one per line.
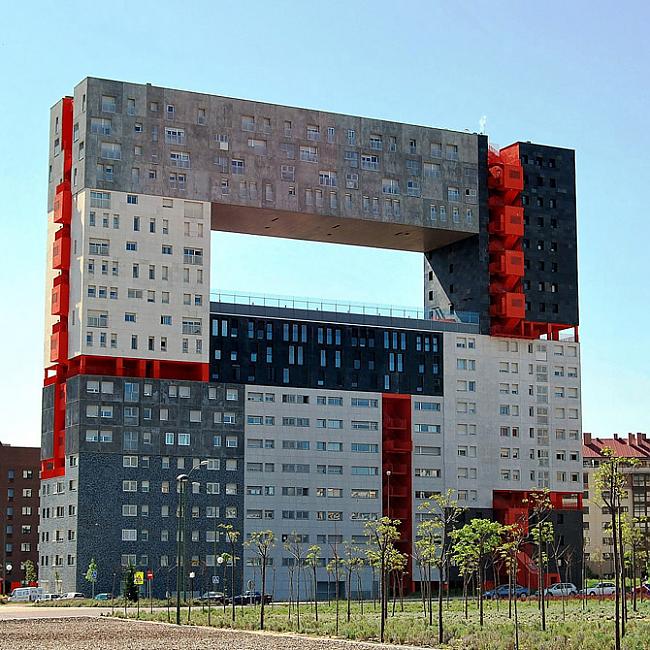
636,445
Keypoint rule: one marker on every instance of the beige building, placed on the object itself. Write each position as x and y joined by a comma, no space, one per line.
597,533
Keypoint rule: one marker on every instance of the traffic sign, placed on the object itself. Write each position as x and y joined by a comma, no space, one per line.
149,574
138,578
94,575
215,580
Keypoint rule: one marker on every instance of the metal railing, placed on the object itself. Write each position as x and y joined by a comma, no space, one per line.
342,307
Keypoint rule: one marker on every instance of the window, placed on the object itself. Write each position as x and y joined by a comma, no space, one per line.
390,186
111,150
370,163
309,154
179,159
109,104
327,178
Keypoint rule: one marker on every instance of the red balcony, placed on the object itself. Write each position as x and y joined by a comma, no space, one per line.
397,445
59,342
61,249
508,305
507,221
506,178
60,295
63,203
509,263
394,423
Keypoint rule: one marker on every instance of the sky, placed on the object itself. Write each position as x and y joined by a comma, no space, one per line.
573,74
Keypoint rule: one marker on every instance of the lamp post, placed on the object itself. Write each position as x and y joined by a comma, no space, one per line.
3,557
388,474
189,611
181,482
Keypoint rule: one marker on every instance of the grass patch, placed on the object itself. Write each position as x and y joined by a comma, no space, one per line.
580,629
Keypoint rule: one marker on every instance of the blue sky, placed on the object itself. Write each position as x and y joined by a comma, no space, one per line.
573,74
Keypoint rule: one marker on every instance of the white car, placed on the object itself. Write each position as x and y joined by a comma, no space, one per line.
600,589
561,589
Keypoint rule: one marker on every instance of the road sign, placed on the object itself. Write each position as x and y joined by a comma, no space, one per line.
149,574
138,578
215,580
94,575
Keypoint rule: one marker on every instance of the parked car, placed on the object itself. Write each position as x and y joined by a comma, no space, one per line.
104,596
47,598
26,594
72,595
252,598
643,590
561,589
215,597
600,589
502,592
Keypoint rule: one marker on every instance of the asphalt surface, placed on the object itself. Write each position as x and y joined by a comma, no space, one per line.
83,629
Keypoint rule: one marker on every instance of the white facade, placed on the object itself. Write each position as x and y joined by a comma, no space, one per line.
139,277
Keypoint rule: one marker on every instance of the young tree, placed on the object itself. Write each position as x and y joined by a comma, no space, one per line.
636,557
262,541
540,507
383,533
131,590
479,538
232,537
334,568
295,548
312,559
91,574
610,484
513,544
30,572
464,559
447,511
351,561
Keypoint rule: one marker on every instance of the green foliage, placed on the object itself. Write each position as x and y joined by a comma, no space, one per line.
131,590
91,572
30,571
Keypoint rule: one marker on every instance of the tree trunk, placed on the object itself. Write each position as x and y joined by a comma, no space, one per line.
617,581
480,589
465,598
349,594
382,588
441,578
263,592
315,594
541,582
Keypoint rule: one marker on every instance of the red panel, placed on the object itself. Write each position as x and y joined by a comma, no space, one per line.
61,249
59,342
508,263
507,221
508,305
63,203
60,295
143,368
513,507
56,375
397,489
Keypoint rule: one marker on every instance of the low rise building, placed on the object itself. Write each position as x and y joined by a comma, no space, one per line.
636,503
19,497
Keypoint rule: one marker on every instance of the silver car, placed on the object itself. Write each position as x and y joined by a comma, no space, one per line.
600,589
561,589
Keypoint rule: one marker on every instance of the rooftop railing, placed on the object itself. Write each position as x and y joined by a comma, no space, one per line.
343,307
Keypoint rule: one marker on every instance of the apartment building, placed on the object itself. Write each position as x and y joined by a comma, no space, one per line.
19,501
302,417
598,541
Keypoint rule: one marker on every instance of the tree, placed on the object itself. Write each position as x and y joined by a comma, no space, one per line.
262,541
131,590
513,544
479,538
610,484
636,557
334,567
539,504
312,559
383,533
232,537
351,560
91,574
447,512
294,546
30,572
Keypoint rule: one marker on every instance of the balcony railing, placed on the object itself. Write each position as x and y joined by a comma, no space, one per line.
341,307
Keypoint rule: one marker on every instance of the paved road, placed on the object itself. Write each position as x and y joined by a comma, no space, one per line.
10,612
114,634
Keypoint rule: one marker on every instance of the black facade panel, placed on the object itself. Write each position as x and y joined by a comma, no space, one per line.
550,235
47,422
280,352
461,268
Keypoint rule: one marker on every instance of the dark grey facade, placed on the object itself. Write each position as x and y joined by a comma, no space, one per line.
300,353
127,440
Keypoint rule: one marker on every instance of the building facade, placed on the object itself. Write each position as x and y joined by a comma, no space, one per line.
306,419
19,507
599,555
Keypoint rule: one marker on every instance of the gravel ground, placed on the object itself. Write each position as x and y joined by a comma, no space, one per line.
115,634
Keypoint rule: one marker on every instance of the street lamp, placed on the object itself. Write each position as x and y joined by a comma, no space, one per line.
181,481
388,473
